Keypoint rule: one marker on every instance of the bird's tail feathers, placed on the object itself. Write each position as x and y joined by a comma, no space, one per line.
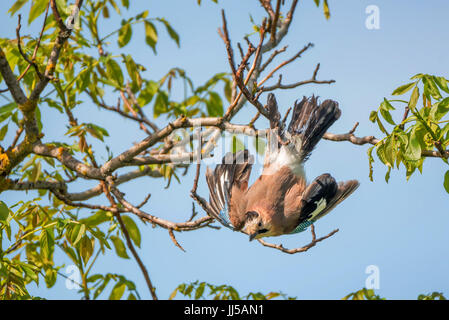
309,122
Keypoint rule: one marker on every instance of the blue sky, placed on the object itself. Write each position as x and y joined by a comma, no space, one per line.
401,227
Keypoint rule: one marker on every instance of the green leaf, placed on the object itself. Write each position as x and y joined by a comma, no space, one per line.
83,80
133,230
200,290
188,290
6,110
118,291
212,81
94,278
441,82
96,219
125,3
142,15
380,151
413,151
114,72
146,94
34,275
326,10
446,181
390,151
171,32
403,89
414,99
373,116
161,104
76,233
70,253
124,35
4,211
16,6
387,175
133,71
37,9
150,35
100,289
119,246
387,116
228,90
272,295
173,294
3,132
86,249
214,105
47,242
417,76
36,172
381,126
439,110
444,131
191,101
386,105
96,131
50,277
431,87
370,160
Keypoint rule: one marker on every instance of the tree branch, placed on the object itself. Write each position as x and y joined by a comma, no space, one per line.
129,242
11,80
301,249
63,35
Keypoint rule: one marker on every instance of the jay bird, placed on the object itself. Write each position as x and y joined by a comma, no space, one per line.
280,201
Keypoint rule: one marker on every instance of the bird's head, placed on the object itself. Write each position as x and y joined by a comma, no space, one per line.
256,226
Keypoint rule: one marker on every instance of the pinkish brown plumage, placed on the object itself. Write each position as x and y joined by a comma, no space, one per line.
280,201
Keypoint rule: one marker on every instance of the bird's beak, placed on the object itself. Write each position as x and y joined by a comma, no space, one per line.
252,236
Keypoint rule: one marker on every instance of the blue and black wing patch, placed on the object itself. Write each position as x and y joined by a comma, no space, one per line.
320,197
233,171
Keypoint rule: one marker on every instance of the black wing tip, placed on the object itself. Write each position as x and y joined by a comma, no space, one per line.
350,183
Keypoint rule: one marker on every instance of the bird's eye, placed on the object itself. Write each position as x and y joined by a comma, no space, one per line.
260,224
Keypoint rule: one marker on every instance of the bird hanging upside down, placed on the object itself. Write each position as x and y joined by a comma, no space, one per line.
280,201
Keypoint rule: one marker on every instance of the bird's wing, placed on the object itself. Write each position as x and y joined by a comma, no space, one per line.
227,185
320,197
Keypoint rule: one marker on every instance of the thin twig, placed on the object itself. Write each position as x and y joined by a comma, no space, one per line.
296,56
19,46
129,242
173,238
275,21
301,249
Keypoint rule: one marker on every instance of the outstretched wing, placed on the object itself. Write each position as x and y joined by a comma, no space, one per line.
320,197
227,186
